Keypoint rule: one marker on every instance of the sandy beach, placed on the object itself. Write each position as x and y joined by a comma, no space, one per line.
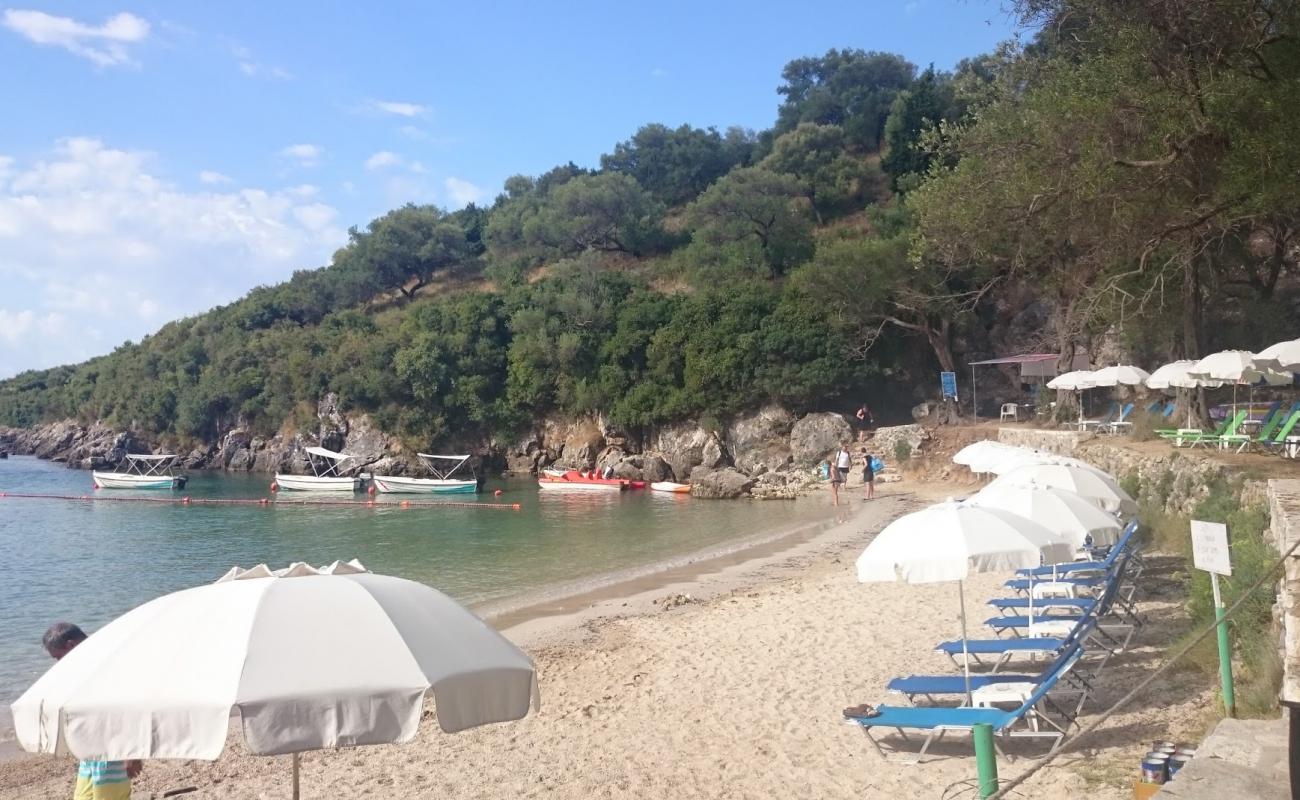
735,692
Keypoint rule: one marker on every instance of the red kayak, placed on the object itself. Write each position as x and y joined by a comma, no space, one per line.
573,479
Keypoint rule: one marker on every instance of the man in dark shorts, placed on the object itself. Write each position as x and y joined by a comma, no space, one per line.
840,466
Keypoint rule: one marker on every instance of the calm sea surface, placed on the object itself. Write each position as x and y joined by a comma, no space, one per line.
88,562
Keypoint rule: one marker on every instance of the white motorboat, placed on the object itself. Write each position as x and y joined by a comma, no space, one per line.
441,468
327,469
142,471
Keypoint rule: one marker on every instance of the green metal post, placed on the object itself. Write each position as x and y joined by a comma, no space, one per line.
1225,651
986,760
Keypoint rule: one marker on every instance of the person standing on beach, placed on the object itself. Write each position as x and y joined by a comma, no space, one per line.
840,467
865,421
96,780
868,475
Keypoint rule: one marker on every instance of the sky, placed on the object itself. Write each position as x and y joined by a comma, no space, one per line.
157,159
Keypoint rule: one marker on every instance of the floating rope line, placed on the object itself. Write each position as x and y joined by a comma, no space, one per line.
262,501
1136,690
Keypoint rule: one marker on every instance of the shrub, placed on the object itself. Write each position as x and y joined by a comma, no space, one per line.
902,451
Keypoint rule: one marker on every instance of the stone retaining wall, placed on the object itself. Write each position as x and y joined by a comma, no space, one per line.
1284,508
1059,442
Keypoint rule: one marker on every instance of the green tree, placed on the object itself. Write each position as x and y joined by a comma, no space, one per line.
916,110
761,211
402,249
677,164
607,212
815,154
849,88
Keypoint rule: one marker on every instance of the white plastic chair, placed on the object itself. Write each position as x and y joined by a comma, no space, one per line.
1008,410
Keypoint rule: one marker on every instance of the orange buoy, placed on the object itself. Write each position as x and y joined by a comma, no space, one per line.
497,493
275,487
406,504
185,501
515,506
371,490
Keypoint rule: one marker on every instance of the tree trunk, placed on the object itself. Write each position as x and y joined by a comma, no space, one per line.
1190,406
940,339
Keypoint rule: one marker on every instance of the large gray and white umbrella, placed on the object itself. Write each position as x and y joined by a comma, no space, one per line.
1238,366
1081,521
306,659
1281,357
949,541
1090,483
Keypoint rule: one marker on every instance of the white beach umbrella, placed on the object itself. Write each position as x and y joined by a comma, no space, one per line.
1064,512
949,541
1282,357
1237,366
983,455
1090,483
308,659
1074,381
1120,375
1176,375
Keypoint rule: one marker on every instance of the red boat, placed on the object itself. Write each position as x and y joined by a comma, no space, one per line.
573,479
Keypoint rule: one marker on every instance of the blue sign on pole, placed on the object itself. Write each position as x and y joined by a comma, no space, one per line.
948,380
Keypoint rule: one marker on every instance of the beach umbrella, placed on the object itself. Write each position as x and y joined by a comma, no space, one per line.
1074,381
1120,375
1064,512
1176,375
1237,367
1282,357
949,541
306,658
982,454
1090,483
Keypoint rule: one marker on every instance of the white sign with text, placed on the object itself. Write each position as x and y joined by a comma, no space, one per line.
1210,547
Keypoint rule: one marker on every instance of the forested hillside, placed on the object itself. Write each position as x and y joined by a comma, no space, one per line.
1127,181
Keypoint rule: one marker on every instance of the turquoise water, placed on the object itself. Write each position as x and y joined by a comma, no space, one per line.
88,562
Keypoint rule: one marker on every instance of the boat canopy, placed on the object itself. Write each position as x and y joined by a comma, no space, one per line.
147,465
440,472
324,453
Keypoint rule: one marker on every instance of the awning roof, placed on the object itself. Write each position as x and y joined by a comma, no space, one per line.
321,451
146,457
1029,358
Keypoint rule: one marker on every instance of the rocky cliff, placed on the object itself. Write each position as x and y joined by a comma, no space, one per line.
770,452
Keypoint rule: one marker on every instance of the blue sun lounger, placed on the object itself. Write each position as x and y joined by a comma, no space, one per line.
931,687
1125,542
1029,720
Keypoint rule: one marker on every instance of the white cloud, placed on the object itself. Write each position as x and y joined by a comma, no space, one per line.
253,68
304,154
399,109
210,177
95,240
382,159
462,192
107,44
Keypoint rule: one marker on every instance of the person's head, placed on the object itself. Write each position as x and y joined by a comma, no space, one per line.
61,638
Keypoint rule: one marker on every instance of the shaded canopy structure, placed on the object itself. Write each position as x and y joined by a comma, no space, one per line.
1032,365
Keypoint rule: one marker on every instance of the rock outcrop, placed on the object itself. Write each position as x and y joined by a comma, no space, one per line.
724,483
760,442
816,436
682,446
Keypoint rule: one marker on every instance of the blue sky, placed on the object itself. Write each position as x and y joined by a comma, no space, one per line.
161,158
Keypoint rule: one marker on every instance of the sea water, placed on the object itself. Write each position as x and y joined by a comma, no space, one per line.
88,562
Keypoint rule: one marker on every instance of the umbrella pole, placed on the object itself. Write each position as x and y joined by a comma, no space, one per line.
965,654
295,776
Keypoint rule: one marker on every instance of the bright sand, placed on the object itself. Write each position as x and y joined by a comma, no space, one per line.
735,694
